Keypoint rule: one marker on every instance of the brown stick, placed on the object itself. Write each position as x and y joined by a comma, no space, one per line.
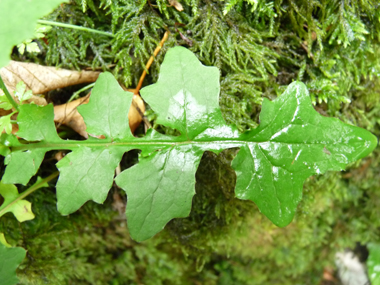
150,61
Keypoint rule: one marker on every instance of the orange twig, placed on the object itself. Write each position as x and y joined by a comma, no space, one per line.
150,61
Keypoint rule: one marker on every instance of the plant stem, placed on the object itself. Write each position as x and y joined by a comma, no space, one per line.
29,191
80,91
38,185
70,26
8,95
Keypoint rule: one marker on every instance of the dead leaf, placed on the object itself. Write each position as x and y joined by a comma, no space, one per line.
68,115
41,79
176,5
59,155
136,112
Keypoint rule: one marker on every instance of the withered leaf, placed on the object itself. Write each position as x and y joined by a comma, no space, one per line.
68,115
41,79
176,5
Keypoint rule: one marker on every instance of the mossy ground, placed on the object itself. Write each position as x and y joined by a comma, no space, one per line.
330,45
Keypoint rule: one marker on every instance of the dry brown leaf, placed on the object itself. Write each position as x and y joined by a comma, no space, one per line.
41,79
176,5
68,115
136,112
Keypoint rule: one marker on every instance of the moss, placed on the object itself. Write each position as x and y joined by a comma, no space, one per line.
259,47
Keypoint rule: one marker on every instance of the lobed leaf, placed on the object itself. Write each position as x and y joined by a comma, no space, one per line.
107,112
85,174
5,123
159,188
186,96
22,209
292,143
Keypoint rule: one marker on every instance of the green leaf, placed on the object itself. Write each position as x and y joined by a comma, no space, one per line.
106,112
21,92
292,142
3,240
13,30
85,174
186,97
373,263
35,124
5,123
41,30
21,47
10,259
22,209
4,103
30,46
159,188
22,166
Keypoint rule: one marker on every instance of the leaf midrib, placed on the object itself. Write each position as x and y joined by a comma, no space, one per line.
73,144
77,144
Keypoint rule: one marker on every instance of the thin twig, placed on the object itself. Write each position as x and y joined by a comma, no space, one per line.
150,61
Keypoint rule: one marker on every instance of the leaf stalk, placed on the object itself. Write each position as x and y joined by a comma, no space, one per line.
29,191
76,94
8,95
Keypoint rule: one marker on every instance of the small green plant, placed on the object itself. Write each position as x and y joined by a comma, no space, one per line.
292,143
30,46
